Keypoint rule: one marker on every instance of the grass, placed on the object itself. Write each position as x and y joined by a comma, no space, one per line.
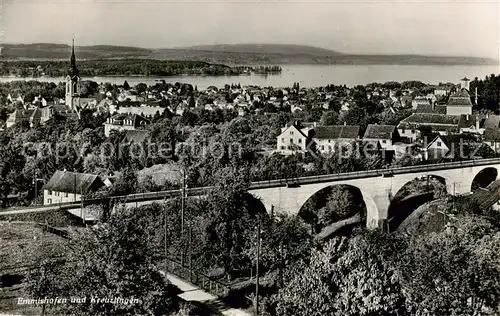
20,244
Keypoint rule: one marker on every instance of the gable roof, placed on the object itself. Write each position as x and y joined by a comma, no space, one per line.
374,131
65,181
460,98
295,127
336,131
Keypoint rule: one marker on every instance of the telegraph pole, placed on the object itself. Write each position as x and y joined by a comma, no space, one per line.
34,182
257,270
183,195
165,228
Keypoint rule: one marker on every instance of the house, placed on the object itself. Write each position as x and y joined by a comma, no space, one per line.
419,101
65,186
431,108
293,138
139,109
460,102
124,122
439,123
19,116
442,90
453,147
325,137
473,124
385,135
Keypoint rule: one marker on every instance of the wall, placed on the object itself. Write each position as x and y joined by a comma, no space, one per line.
109,127
458,110
61,198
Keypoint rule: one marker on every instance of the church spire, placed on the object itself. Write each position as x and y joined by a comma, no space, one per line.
73,71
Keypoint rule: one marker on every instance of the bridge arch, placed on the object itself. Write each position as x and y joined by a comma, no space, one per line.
413,194
448,181
370,213
483,178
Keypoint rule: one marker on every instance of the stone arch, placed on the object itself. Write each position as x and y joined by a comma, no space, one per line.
402,206
255,204
483,178
372,211
448,181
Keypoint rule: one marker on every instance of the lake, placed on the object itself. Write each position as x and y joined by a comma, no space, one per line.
313,76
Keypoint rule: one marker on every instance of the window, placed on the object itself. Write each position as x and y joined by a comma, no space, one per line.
413,131
402,131
65,194
49,201
439,144
291,132
291,140
329,140
56,193
49,192
283,147
322,147
300,140
282,140
384,141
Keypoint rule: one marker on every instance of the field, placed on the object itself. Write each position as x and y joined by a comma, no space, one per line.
20,245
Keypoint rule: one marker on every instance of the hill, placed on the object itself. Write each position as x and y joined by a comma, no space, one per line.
58,51
236,54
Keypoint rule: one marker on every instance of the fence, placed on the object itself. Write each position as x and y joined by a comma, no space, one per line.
47,228
195,277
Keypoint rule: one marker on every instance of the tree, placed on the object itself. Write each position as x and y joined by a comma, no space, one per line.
453,271
339,206
329,118
110,261
349,277
126,86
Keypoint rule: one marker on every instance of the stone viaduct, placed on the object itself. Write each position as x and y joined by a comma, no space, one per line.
377,186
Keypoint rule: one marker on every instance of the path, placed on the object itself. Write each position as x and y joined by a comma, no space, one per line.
193,293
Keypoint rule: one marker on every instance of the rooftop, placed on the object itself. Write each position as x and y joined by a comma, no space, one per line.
65,181
374,131
336,131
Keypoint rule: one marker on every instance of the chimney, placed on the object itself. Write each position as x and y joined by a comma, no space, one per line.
345,123
477,122
467,117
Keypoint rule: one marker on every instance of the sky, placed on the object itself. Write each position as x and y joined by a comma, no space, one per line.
438,27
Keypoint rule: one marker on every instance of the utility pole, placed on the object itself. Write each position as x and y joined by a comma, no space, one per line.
165,228
183,194
34,182
81,204
453,196
257,270
190,253
281,265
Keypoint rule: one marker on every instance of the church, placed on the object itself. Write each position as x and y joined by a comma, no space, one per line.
69,107
459,102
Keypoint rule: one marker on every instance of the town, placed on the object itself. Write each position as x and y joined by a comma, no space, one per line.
80,155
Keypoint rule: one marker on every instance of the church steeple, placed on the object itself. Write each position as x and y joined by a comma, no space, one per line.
72,81
73,71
